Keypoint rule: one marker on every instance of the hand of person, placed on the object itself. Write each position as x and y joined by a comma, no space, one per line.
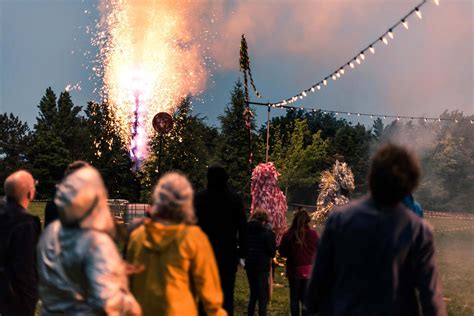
134,268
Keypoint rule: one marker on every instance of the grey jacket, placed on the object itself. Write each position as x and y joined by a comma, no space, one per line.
82,273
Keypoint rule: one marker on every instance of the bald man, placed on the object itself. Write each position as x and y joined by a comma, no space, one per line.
19,233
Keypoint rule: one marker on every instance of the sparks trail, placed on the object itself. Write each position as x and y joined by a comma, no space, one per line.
150,58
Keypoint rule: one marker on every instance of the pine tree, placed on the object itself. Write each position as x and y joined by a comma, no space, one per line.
14,142
108,153
185,148
233,149
71,127
377,129
48,154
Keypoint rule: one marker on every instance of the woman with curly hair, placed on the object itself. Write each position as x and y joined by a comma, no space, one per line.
178,260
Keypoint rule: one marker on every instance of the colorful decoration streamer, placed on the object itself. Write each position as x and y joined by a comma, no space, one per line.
266,195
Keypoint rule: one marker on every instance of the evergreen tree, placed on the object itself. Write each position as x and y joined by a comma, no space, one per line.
14,141
71,127
232,149
48,154
108,153
351,144
377,129
185,148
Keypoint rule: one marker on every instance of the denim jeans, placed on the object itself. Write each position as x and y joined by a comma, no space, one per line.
259,291
297,292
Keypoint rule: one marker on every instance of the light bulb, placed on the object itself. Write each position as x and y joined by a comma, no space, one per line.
348,113
436,2
384,40
372,49
301,97
338,75
342,71
351,64
318,87
334,77
418,12
362,56
390,33
325,82
358,61
312,89
405,24
303,93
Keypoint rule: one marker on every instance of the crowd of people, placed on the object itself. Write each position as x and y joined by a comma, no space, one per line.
375,256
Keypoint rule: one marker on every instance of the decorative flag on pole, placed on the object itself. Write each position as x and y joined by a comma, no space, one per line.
245,68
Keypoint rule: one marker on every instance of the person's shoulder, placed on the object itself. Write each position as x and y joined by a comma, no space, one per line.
351,208
96,238
194,231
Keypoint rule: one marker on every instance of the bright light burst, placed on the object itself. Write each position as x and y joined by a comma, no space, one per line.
149,61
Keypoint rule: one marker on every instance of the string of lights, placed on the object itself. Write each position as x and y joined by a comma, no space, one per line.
359,57
359,114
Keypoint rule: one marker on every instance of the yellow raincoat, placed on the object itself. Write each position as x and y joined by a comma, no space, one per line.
179,266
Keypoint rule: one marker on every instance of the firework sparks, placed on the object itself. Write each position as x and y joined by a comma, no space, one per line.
149,60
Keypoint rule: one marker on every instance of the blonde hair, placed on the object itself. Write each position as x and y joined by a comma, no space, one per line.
173,199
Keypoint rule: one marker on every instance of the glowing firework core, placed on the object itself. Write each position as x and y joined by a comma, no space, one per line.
150,61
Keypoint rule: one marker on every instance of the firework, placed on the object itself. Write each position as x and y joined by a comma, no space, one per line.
149,60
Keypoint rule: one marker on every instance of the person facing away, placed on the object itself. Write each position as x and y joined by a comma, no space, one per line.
409,201
375,254
178,261
19,233
261,250
220,213
51,210
299,245
80,269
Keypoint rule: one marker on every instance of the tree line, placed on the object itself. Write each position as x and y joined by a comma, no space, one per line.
302,145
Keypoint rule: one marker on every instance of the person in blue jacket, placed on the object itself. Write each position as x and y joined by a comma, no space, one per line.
409,201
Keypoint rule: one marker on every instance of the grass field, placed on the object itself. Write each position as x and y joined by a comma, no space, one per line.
454,240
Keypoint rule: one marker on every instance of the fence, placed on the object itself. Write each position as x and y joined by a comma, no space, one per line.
127,212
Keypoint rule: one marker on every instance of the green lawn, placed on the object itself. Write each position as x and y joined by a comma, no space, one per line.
455,254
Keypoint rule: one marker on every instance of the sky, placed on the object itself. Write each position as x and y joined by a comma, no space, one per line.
292,44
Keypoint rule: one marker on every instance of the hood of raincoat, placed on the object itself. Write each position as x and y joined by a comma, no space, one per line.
159,236
81,199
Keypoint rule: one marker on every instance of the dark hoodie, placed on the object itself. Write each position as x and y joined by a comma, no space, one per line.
220,213
261,247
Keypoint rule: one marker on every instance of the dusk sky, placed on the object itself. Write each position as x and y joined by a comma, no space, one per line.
292,44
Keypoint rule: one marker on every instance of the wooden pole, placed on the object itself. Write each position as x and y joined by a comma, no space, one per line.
268,133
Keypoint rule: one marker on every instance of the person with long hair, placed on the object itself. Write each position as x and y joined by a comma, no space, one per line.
298,245
177,257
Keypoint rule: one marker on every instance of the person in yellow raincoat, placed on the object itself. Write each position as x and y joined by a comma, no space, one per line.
178,261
